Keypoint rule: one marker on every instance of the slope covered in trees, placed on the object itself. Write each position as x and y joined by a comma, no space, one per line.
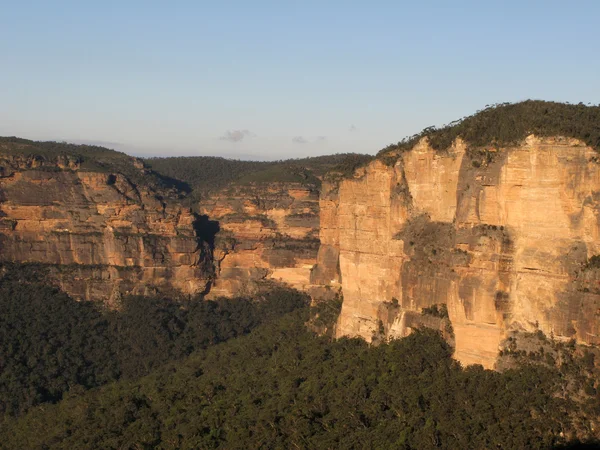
51,345
282,387
207,173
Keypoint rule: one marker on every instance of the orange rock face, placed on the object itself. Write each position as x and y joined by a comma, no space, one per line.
266,233
99,234
503,244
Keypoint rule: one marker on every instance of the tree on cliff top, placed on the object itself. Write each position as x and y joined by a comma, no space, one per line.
506,124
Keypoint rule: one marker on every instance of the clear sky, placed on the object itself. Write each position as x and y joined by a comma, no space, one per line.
280,79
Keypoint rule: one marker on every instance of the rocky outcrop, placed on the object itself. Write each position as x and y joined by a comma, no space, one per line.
502,237
98,233
266,233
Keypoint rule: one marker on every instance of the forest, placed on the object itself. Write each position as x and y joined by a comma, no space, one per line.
51,345
248,373
204,174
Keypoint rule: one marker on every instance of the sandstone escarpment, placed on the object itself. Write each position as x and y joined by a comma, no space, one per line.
503,240
266,233
99,233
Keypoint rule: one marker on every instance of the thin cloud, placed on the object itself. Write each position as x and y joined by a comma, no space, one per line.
321,138
352,128
236,135
299,140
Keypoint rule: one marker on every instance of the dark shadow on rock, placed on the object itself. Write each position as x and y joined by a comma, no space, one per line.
170,182
206,229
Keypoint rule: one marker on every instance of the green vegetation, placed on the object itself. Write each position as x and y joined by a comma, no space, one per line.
440,311
204,172
207,173
243,218
592,263
282,387
324,315
248,373
507,124
51,345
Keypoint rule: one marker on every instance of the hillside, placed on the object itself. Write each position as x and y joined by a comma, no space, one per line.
207,173
99,221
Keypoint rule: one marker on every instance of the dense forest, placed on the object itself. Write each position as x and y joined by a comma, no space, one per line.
51,345
249,373
283,387
204,173
91,158
186,174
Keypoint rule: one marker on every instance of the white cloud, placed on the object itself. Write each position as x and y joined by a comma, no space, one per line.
299,140
236,135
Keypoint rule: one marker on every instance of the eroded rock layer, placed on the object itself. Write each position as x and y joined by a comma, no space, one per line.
505,243
98,233
266,232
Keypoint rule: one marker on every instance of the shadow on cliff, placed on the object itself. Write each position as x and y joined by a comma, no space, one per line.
170,183
206,229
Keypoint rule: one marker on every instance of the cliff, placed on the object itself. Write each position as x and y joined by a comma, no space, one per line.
100,226
265,215
267,232
506,242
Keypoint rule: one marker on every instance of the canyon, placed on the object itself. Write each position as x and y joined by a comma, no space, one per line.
267,233
505,237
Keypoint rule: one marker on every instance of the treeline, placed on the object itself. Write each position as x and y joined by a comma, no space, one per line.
507,124
282,387
207,173
51,345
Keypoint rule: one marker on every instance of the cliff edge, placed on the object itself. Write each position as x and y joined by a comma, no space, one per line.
505,235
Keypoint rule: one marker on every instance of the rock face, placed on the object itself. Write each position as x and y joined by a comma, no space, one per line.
504,243
266,233
99,234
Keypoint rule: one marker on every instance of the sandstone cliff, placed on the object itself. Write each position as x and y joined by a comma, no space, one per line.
98,232
266,233
505,242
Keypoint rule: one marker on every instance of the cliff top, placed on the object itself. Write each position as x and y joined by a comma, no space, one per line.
507,124
52,155
175,175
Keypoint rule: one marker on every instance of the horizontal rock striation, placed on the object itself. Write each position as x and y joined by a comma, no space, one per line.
266,233
99,233
502,239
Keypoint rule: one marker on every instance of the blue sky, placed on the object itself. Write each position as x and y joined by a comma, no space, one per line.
279,79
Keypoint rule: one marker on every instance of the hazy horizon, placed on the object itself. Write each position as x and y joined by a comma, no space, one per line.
271,81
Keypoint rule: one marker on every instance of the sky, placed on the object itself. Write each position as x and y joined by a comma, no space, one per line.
280,79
